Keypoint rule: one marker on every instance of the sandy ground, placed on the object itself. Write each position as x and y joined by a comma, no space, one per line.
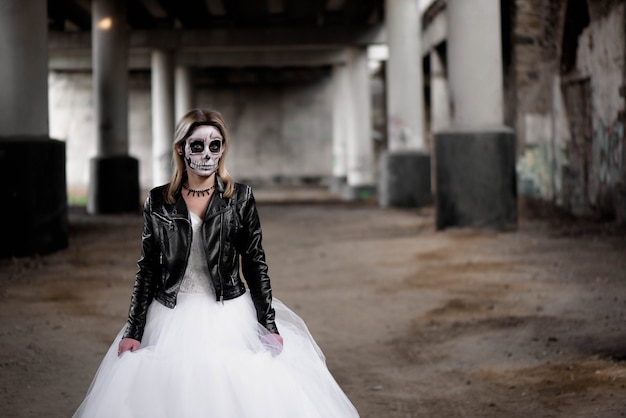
414,322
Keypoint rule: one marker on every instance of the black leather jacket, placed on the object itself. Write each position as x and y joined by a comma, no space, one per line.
231,229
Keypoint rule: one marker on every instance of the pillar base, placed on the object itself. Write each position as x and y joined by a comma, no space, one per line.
337,184
34,202
113,185
476,179
404,179
362,192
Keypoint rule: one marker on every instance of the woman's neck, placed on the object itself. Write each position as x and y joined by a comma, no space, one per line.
197,193
197,182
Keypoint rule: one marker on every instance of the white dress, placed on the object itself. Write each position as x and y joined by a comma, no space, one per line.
208,359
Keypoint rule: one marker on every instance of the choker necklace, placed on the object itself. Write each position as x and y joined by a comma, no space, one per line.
198,192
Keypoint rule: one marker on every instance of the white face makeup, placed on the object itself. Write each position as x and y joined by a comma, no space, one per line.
203,150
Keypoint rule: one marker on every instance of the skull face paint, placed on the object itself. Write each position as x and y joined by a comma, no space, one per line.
203,150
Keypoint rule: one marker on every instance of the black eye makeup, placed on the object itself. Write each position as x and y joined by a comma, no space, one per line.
215,146
196,146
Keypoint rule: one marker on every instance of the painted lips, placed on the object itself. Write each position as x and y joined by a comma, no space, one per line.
202,167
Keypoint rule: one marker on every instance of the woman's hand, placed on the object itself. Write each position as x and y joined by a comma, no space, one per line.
278,338
274,342
127,344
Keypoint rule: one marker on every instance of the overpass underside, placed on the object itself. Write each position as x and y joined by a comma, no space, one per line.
302,92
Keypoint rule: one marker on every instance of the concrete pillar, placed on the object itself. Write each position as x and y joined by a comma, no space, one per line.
439,99
359,142
475,63
183,91
405,168
475,168
162,116
405,85
114,175
32,166
341,88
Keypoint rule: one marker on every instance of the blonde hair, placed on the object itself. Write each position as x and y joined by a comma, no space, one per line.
185,127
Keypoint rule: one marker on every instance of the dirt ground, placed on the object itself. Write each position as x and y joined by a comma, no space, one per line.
413,322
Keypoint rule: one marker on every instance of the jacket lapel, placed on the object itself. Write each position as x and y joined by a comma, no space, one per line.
180,210
217,204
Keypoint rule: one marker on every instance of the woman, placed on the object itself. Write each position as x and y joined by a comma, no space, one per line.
197,342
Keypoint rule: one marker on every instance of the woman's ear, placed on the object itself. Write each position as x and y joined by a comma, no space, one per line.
179,149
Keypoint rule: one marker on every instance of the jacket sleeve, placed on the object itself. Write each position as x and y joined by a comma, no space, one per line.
146,279
253,263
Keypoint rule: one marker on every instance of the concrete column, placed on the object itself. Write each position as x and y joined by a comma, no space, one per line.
405,85
475,63
162,116
439,99
24,69
359,142
110,77
32,166
341,105
114,176
183,91
405,168
475,168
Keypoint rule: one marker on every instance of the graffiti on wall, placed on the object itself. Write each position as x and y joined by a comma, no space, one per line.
535,166
534,172
609,152
580,164
607,164
576,172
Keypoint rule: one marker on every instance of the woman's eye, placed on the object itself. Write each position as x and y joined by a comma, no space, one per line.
215,146
196,146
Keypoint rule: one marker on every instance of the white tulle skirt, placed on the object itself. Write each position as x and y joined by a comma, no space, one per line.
208,359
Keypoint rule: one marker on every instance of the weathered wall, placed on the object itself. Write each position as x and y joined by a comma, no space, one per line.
71,120
530,78
281,128
601,59
569,118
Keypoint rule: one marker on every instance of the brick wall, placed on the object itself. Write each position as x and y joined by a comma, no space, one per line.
565,74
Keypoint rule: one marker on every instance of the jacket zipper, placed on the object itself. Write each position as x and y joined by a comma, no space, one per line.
182,275
219,260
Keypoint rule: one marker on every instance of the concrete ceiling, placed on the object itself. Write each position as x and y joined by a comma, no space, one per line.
75,15
226,33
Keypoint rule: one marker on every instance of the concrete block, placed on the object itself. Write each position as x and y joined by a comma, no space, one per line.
476,182
114,185
363,192
337,184
34,196
404,179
